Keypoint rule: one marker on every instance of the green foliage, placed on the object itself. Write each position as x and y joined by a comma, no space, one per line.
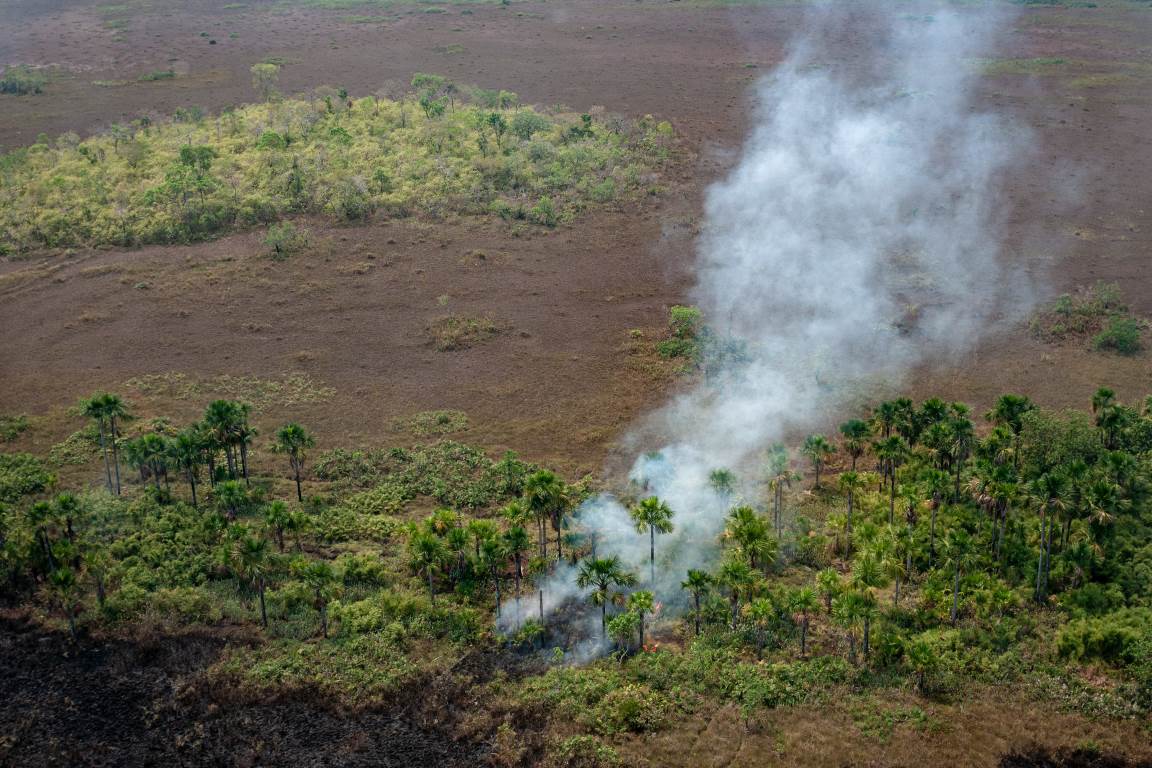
401,616
193,178
1120,334
1112,638
428,423
583,752
598,698
21,81
1099,313
455,332
22,474
285,239
11,427
450,473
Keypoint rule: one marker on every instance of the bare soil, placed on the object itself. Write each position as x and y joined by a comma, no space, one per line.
143,703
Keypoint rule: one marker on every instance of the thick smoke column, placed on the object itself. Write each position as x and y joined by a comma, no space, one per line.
855,237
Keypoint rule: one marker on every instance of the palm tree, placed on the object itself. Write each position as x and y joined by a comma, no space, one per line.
922,660
232,498
851,482
493,557
516,543
93,408
818,450
737,576
602,574
723,482
867,575
884,417
427,553
895,559
641,602
652,515
830,585
318,575
1048,492
186,454
802,601
115,410
963,436
698,584
957,554
856,433
750,533
244,435
1009,412
65,588
293,440
546,497
277,517
892,452
848,611
780,476
252,560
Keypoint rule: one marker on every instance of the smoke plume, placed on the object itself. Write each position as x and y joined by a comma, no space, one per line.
856,236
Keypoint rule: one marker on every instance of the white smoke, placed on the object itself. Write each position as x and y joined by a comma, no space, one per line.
856,236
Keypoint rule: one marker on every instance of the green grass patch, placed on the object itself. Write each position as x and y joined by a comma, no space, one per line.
162,74
12,426
1035,66
454,332
261,394
428,423
22,81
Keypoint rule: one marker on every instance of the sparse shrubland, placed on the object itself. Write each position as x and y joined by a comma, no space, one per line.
1098,314
431,152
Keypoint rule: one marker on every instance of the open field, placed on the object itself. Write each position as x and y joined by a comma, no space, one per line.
507,334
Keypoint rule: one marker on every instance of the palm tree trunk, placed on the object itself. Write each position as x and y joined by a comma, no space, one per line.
263,609
804,636
641,630
192,483
892,500
896,597
324,619
1040,563
244,462
541,592
431,589
115,454
299,493
867,634
696,600
107,465
603,620
652,553
955,593
932,538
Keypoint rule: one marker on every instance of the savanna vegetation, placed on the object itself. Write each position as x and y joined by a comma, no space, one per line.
922,549
431,149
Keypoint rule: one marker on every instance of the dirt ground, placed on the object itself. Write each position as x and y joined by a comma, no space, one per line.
561,383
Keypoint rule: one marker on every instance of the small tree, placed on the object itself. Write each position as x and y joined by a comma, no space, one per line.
265,78
697,584
602,574
803,601
652,515
818,450
293,440
319,577
641,603
426,551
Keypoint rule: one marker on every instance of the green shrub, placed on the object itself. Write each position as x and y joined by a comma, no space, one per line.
21,81
582,752
22,474
1121,334
11,427
285,239
192,605
1110,638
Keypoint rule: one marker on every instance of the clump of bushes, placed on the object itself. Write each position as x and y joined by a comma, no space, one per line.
284,239
428,153
684,332
11,427
21,81
454,332
22,474
1097,313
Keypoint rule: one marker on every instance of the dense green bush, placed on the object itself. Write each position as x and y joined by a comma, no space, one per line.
1111,638
22,474
21,81
1120,334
